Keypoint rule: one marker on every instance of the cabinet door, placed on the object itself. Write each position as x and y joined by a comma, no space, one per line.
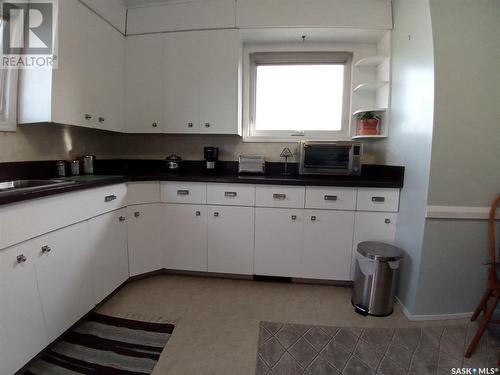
327,245
186,237
230,239
181,72
278,241
22,329
145,238
373,226
144,83
64,270
108,249
219,81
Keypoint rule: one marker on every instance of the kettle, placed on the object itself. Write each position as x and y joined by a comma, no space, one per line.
174,162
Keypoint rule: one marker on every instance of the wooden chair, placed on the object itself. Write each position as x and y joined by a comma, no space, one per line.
493,289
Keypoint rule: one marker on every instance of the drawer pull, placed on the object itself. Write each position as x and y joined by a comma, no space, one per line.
121,218
331,198
230,194
216,214
182,192
198,213
46,249
109,198
313,218
378,199
387,221
137,214
21,258
294,217
279,196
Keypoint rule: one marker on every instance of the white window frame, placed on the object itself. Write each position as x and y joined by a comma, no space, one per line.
257,55
10,79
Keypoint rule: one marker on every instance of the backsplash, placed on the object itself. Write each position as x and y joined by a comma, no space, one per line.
50,142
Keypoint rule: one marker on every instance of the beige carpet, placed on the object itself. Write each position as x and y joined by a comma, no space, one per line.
217,320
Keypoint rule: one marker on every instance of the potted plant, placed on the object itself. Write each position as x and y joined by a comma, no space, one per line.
368,123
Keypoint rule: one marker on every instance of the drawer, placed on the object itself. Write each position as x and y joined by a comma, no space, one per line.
143,192
378,199
331,198
231,194
280,196
184,192
108,198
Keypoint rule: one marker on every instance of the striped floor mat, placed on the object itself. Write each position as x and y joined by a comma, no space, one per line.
102,344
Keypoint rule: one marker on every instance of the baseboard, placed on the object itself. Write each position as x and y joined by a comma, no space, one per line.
415,317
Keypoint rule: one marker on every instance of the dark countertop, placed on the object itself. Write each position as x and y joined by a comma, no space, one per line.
109,172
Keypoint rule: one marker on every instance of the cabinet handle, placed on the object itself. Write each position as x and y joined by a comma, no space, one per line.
313,218
378,199
230,194
216,214
294,217
182,192
137,214
21,258
387,221
121,218
154,124
46,249
88,117
331,198
190,124
109,198
101,119
198,213
207,124
279,196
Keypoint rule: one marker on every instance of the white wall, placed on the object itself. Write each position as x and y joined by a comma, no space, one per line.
113,11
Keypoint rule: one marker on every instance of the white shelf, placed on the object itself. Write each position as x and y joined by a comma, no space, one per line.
369,110
371,61
379,136
372,86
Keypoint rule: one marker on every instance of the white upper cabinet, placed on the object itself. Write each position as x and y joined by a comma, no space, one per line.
144,83
87,87
202,81
363,14
181,15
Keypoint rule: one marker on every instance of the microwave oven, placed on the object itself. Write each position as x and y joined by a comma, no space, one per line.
330,158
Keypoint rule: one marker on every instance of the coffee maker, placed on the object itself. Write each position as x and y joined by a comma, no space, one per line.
211,157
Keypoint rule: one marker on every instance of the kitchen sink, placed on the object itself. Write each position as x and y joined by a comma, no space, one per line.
31,184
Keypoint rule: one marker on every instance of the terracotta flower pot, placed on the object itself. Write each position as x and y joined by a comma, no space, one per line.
368,127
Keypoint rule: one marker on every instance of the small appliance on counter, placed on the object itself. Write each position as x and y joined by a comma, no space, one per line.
88,164
330,158
251,164
174,162
211,157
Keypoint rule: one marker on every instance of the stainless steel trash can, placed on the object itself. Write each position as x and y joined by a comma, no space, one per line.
377,267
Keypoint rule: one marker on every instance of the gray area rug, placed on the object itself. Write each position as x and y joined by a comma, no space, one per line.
289,349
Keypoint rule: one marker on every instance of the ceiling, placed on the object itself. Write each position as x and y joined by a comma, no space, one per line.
140,3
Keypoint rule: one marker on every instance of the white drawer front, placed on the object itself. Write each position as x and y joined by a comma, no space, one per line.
108,198
231,194
279,196
143,192
184,192
378,199
331,198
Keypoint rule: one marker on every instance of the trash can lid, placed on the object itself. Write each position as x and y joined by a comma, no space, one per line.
380,251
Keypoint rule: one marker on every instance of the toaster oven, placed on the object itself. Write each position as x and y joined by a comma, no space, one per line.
330,158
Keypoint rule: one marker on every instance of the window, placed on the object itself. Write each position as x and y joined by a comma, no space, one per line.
298,94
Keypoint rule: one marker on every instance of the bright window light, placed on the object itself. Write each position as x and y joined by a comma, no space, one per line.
299,97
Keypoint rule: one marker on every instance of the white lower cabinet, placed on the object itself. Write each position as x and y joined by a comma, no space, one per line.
186,237
64,268
373,226
231,239
108,247
326,253
278,241
22,328
146,240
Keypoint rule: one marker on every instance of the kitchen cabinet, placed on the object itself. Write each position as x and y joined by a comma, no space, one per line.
372,226
185,229
202,79
108,252
278,241
326,253
22,328
87,87
146,239
64,271
231,239
144,84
